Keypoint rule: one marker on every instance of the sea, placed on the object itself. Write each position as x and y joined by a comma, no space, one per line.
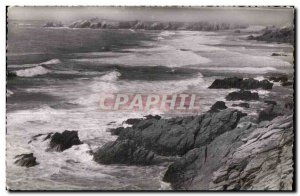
62,73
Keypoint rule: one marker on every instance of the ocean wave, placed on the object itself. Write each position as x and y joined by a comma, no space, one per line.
51,62
9,93
167,33
110,76
252,70
34,71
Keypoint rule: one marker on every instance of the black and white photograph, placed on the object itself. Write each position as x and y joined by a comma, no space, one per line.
150,98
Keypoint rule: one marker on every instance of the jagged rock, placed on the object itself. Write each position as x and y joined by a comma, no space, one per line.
240,83
289,105
116,131
219,105
266,160
124,152
282,78
169,137
279,35
64,140
278,54
287,83
26,160
10,75
132,121
157,117
246,158
242,95
243,105
269,113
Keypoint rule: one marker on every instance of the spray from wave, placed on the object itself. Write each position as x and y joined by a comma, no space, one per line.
37,69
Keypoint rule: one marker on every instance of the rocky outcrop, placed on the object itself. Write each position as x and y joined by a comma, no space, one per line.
263,162
242,95
153,25
219,105
250,157
240,83
280,35
282,78
150,138
26,160
269,113
62,141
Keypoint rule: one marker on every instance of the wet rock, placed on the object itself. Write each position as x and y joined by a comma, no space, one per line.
26,160
278,54
116,131
157,117
287,83
242,95
10,75
246,158
64,140
289,105
243,105
168,137
132,121
124,152
282,78
240,83
219,105
269,113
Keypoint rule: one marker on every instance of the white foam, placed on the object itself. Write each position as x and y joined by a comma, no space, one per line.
51,62
9,93
34,71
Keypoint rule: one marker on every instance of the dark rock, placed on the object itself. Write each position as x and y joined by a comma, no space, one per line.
242,95
265,84
279,35
287,83
116,131
10,75
132,121
243,105
250,37
282,78
157,117
26,160
219,105
269,113
240,83
227,83
64,140
278,54
166,137
123,152
289,105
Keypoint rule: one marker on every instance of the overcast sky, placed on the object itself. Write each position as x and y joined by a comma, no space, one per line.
242,15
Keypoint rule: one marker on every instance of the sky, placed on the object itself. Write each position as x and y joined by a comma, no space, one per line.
237,15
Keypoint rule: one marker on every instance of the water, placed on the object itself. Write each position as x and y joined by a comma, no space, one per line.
63,72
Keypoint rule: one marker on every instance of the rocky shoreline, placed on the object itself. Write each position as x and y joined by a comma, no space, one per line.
222,149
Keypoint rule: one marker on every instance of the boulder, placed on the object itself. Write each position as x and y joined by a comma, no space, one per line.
26,160
270,102
282,78
269,113
242,95
287,83
64,140
240,83
166,137
132,121
219,105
